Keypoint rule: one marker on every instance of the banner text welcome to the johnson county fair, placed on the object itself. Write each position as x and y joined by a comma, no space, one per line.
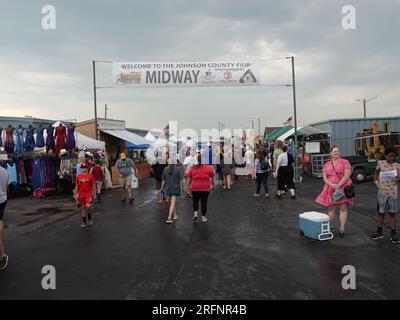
170,74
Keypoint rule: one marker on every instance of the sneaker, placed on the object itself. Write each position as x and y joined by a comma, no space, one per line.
176,218
224,187
256,194
194,220
341,233
189,195
169,221
89,223
394,239
131,200
3,262
83,225
267,195
204,219
377,236
293,197
278,197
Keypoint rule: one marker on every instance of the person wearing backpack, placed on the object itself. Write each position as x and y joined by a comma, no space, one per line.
260,173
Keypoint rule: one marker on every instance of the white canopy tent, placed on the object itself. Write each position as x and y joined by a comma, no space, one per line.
305,130
127,136
85,141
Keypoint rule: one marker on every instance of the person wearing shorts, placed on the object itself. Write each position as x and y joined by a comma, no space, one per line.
98,173
172,183
4,182
387,177
85,189
126,167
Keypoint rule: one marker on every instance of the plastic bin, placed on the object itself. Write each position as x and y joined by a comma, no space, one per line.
315,225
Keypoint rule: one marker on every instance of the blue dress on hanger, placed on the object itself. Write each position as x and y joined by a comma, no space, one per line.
39,137
19,147
29,140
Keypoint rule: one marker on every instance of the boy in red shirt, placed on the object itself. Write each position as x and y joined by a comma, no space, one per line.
84,190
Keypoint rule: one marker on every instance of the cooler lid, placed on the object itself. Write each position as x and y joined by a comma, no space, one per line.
314,216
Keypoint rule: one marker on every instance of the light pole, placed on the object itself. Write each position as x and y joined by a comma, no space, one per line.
95,87
258,124
105,111
365,104
295,117
95,100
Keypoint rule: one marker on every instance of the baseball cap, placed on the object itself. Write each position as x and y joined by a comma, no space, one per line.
123,156
84,165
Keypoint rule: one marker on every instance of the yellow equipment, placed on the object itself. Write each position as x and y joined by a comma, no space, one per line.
373,142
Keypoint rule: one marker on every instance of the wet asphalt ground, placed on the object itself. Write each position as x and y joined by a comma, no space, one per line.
250,248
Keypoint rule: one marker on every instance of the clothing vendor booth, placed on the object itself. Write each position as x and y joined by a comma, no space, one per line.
41,158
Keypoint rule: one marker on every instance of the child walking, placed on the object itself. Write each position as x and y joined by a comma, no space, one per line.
85,189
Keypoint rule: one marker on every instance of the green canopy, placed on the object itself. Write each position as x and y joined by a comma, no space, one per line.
278,132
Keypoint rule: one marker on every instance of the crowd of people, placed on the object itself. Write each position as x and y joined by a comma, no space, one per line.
196,176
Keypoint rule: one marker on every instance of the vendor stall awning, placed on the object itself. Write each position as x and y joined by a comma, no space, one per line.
130,137
278,132
84,141
301,131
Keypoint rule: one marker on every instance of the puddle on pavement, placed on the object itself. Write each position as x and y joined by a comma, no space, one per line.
44,211
41,213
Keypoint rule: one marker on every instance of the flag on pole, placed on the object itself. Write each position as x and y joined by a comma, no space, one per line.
288,121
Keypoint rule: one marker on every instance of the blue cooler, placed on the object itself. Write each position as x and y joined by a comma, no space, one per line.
315,225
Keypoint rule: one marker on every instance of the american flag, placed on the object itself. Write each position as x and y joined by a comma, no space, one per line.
288,121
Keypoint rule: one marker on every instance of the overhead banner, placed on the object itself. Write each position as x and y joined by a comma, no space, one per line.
186,74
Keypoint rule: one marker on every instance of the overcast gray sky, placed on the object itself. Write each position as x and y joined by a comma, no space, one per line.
48,74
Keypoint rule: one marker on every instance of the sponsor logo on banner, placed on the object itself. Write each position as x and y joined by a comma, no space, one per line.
227,75
247,77
129,78
178,74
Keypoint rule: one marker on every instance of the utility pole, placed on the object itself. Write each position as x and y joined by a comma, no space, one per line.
295,118
105,111
364,101
95,100
365,108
